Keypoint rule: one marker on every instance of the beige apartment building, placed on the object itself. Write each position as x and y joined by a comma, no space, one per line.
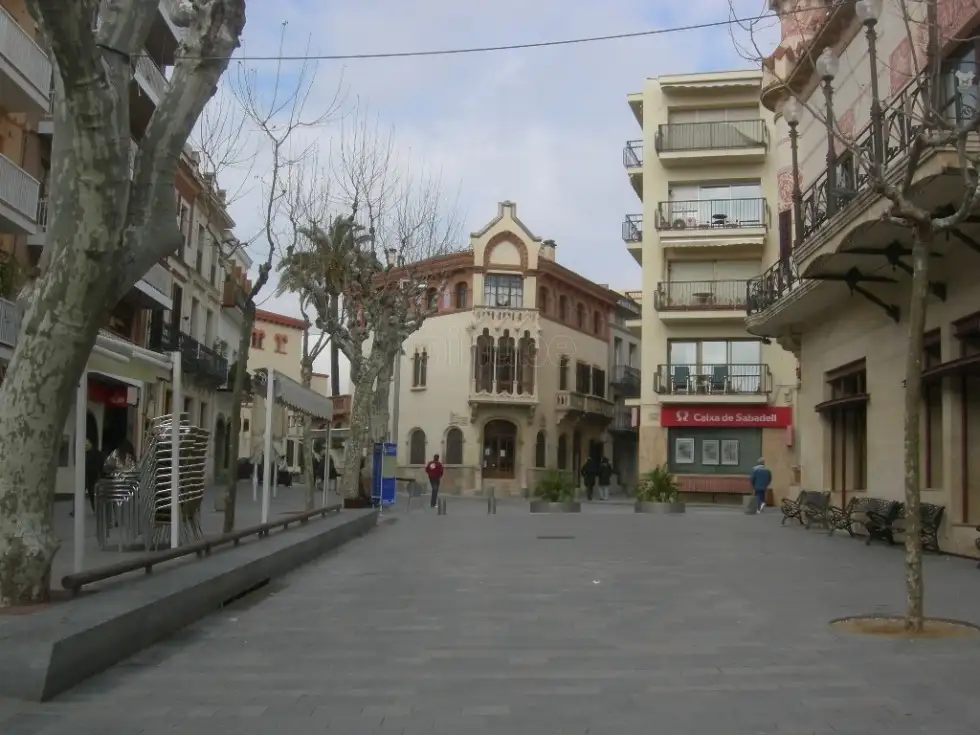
840,298
714,398
511,376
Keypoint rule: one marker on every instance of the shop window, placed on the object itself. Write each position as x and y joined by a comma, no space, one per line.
847,415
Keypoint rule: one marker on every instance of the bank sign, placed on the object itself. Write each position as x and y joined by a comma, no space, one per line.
743,417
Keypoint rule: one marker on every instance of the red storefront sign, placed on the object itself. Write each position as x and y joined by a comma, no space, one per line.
110,395
742,417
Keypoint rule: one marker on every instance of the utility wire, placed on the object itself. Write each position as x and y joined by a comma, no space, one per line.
517,46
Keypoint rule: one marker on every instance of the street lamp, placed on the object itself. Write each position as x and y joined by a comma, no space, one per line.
827,67
868,12
791,113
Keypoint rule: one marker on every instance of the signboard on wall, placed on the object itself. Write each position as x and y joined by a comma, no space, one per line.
744,417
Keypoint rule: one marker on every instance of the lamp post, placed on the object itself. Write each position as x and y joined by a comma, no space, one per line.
827,66
868,11
791,113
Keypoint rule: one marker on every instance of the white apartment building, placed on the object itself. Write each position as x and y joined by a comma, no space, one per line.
839,296
713,398
511,377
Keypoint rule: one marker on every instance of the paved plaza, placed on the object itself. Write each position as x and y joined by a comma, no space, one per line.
605,622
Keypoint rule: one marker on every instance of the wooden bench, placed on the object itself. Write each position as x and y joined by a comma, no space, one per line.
880,522
843,519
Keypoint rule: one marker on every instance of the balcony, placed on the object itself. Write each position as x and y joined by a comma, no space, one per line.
700,300
625,380
25,70
196,360
575,404
623,421
633,236
742,383
484,392
18,199
150,77
9,323
633,162
715,222
695,144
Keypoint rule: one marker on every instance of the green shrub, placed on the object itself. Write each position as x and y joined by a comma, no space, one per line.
556,487
658,486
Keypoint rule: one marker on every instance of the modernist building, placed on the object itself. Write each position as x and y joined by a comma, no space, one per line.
510,377
839,296
714,398
624,389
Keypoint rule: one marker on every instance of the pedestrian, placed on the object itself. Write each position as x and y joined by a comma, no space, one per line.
435,471
605,474
590,472
760,478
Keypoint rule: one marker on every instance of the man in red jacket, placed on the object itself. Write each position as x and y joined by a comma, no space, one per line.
434,470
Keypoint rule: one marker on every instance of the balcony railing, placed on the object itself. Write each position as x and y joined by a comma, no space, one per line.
572,401
502,391
150,72
706,214
765,290
21,52
196,359
700,295
18,189
622,420
633,154
720,379
712,136
633,228
9,323
625,380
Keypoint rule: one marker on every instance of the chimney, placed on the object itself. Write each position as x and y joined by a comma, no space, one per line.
547,250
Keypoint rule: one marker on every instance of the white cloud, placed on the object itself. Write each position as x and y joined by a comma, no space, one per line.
543,127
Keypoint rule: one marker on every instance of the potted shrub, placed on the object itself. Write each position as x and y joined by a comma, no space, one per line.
555,493
657,492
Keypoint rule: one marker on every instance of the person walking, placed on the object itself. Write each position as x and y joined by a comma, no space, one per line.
435,471
590,473
760,478
604,478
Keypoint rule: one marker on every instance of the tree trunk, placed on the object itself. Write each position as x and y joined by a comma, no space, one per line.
308,478
918,304
380,428
334,351
361,409
237,395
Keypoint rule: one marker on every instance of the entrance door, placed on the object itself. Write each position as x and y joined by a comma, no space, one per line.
499,447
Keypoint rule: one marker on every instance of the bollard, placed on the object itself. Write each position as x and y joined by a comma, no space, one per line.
492,501
441,507
493,506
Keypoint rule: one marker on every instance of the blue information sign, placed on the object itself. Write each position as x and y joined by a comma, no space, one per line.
384,471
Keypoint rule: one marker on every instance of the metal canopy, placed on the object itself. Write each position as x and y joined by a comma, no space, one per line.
293,395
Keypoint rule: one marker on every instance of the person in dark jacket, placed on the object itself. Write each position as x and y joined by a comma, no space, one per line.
761,479
94,463
590,473
604,478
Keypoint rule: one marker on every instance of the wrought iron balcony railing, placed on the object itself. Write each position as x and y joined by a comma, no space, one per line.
765,290
622,420
726,135
700,295
633,228
713,379
196,359
712,213
625,380
633,154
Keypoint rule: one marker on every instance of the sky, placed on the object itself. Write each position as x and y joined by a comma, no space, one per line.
542,127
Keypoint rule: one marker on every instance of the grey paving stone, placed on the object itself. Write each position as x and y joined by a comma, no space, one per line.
710,622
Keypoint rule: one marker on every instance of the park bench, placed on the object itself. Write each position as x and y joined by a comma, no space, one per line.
930,520
880,522
816,510
843,519
809,505
793,509
976,543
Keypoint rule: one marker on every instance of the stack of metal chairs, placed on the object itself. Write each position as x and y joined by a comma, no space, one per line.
155,480
117,508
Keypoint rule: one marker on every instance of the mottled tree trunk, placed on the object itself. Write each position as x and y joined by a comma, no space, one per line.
237,396
306,372
362,402
918,304
382,402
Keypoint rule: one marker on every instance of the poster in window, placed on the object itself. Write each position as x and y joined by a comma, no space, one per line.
729,452
684,451
709,451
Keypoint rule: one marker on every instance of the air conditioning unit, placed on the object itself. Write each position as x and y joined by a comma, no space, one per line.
679,224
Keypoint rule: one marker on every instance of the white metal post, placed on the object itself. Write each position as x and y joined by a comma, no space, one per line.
176,410
81,412
255,480
326,464
270,398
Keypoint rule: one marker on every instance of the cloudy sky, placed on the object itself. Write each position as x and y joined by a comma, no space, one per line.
543,127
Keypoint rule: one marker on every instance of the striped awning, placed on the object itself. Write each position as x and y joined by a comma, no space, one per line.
294,396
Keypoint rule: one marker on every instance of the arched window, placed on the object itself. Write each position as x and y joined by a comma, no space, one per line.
563,308
580,316
420,369
454,446
506,363
462,296
562,452
432,299
485,358
258,337
527,360
543,305
416,447
539,450
596,322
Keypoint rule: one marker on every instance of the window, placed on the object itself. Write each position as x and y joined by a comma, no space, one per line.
714,366
245,426
580,316
483,364
847,415
631,358
563,308
258,338
432,299
454,446
562,452
281,340
416,447
583,377
462,296
506,363
785,234
501,290
932,414
563,373
598,382
543,298
420,365
596,323
540,446
199,260
617,351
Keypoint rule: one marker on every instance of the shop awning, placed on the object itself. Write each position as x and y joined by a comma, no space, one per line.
294,396
117,357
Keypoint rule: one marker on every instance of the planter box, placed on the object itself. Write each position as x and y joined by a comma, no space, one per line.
669,508
543,506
